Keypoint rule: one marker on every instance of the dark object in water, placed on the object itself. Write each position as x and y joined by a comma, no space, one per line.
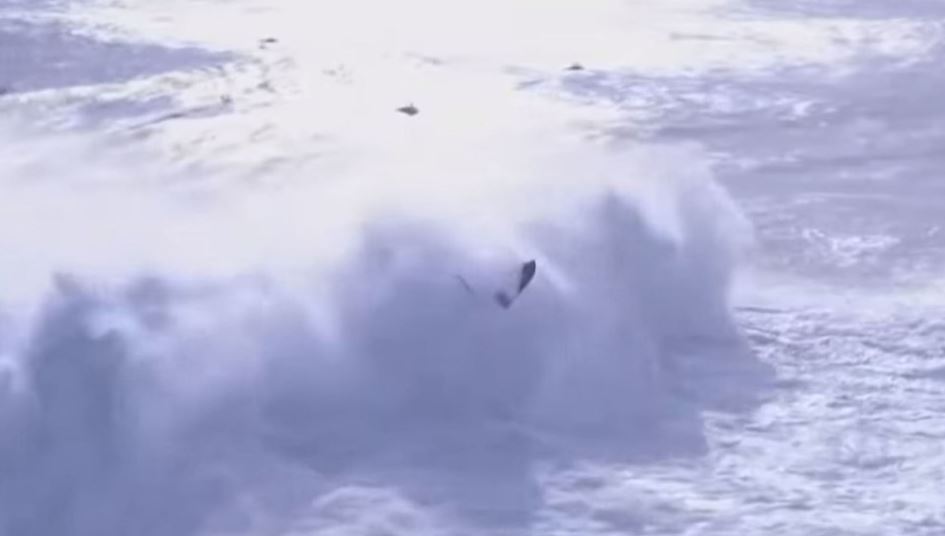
526,274
263,43
575,67
410,110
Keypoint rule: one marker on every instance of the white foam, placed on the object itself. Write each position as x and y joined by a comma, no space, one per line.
249,300
328,316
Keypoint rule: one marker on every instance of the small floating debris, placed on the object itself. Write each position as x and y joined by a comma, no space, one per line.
575,67
226,100
265,85
265,42
410,110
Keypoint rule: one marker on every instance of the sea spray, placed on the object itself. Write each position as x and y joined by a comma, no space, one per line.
217,311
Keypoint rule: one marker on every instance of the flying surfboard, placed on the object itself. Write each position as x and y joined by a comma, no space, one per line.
505,298
526,274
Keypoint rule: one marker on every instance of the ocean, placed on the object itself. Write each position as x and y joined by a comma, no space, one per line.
299,268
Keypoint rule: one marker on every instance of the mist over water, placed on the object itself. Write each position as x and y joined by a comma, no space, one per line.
243,294
165,348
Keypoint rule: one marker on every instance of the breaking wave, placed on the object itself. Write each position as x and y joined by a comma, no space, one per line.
315,346
162,354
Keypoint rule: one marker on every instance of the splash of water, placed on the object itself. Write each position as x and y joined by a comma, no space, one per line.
241,307
326,322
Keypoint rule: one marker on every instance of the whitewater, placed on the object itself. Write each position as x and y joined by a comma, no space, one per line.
250,252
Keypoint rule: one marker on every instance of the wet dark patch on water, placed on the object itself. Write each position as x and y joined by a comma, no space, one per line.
38,56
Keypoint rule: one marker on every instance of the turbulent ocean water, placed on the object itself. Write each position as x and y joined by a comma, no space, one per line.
250,252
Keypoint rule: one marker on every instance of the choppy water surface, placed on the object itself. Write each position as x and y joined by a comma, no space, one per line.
244,294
